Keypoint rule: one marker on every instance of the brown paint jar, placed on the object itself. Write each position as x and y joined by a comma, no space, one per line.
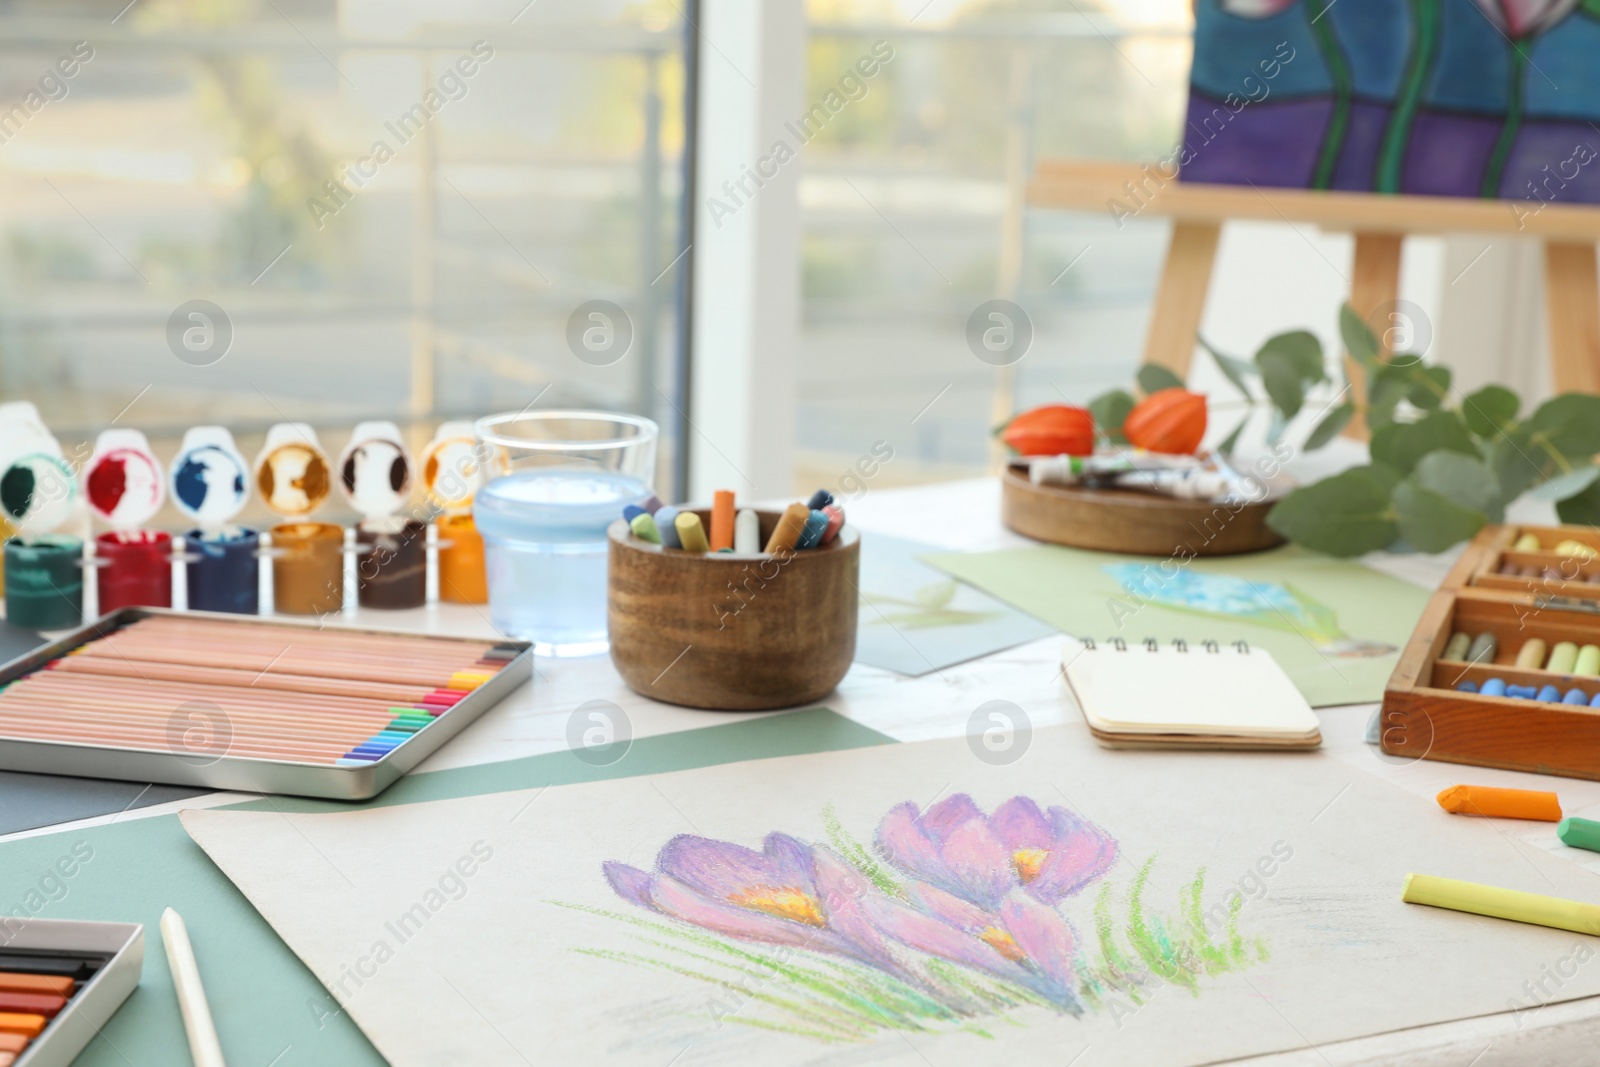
392,563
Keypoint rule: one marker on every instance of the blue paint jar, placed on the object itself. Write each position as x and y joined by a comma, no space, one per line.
224,572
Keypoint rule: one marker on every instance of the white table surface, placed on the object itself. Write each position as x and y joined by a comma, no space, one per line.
964,516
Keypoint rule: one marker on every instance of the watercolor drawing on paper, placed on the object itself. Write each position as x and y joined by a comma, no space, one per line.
1468,98
953,920
1275,605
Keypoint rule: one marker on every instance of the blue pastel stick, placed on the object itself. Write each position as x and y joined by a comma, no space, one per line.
666,524
631,511
1494,687
1576,696
1467,687
1550,695
819,500
811,533
1595,702
1522,692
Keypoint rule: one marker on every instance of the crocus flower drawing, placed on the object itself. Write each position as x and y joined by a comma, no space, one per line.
1333,57
1025,942
957,914
1520,21
982,858
786,894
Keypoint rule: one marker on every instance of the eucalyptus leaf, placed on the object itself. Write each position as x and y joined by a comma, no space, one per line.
1429,386
1462,479
1301,349
1387,385
1276,427
1569,423
1346,515
1358,338
1566,485
1387,477
1431,521
1153,378
1490,410
1233,368
1582,508
1282,382
1327,429
1401,445
1110,411
1518,463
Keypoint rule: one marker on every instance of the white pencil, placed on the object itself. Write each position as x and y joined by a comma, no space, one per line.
204,1048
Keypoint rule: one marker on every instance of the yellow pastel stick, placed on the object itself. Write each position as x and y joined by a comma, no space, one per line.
1536,908
691,534
1526,543
468,679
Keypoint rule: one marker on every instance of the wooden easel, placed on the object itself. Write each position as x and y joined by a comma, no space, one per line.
1379,224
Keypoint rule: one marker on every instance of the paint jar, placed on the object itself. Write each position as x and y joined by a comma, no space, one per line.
461,575
44,582
224,571
308,568
135,569
392,563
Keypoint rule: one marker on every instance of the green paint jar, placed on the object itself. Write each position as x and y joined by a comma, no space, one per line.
44,582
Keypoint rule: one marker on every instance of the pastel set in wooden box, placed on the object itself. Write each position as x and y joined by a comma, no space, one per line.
1503,669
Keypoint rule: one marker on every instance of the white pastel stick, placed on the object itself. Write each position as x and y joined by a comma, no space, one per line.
204,1048
747,532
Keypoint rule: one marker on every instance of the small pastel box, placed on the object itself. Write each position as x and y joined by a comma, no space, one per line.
1518,595
113,956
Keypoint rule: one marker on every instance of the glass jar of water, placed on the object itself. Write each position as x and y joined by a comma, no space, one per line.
565,476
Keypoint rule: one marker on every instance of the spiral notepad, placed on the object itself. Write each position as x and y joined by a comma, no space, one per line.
1179,695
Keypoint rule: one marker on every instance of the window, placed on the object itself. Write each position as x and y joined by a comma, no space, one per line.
391,209
914,213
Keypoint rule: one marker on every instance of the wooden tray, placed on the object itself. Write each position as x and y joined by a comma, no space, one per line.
1426,717
1122,520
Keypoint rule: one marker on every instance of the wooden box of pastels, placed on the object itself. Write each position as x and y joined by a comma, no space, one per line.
257,705
1503,669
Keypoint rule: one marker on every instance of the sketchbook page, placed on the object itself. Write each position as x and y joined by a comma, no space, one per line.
1335,627
1161,908
1198,692
915,619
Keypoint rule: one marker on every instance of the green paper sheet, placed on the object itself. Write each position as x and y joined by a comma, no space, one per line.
1335,627
268,1007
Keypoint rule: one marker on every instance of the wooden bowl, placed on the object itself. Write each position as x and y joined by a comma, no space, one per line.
1124,520
731,632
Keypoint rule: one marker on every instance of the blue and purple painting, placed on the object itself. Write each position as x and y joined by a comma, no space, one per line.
1472,98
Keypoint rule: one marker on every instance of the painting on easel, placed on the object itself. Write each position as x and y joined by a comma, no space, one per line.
1467,98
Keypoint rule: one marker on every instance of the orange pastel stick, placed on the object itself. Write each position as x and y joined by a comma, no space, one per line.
15,1023
721,520
1504,803
13,982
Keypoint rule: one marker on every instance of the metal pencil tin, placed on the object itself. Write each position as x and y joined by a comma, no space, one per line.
186,762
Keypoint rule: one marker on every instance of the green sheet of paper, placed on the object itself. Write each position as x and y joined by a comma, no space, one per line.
1334,626
268,1007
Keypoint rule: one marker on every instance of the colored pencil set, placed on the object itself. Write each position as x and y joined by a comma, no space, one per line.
801,526
200,688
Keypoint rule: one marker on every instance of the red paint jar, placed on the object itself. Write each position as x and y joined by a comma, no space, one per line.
135,569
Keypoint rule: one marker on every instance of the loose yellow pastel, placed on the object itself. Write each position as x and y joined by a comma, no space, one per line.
1497,903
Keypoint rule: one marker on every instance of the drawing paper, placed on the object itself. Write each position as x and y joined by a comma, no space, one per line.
1334,626
925,904
915,619
266,1004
